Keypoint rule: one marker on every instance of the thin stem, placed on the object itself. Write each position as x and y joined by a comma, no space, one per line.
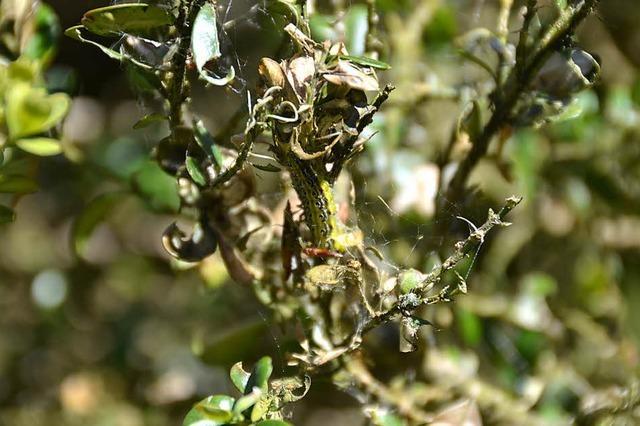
414,299
506,96
178,88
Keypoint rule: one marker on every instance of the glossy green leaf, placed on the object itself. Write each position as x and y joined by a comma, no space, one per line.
194,171
44,147
207,143
129,18
205,45
368,62
239,377
212,411
261,373
247,401
93,214
6,214
157,188
30,110
17,185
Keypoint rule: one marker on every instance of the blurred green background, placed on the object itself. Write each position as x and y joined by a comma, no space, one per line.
123,336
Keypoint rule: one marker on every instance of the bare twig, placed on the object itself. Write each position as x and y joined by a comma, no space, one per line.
415,299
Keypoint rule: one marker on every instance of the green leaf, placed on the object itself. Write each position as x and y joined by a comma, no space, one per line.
570,112
356,28
43,147
235,343
322,28
129,18
239,377
92,215
469,326
539,284
287,8
247,401
260,374
76,34
149,119
207,143
212,411
261,408
23,70
367,62
6,214
157,188
17,185
273,423
409,279
142,80
442,28
30,110
194,171
387,419
267,167
205,45
41,45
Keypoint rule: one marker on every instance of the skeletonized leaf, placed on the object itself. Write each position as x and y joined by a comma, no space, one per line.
205,45
76,33
130,18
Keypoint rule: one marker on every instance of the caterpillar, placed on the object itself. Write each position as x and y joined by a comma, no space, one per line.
316,196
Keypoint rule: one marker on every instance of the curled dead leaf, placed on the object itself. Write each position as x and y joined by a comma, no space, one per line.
346,74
